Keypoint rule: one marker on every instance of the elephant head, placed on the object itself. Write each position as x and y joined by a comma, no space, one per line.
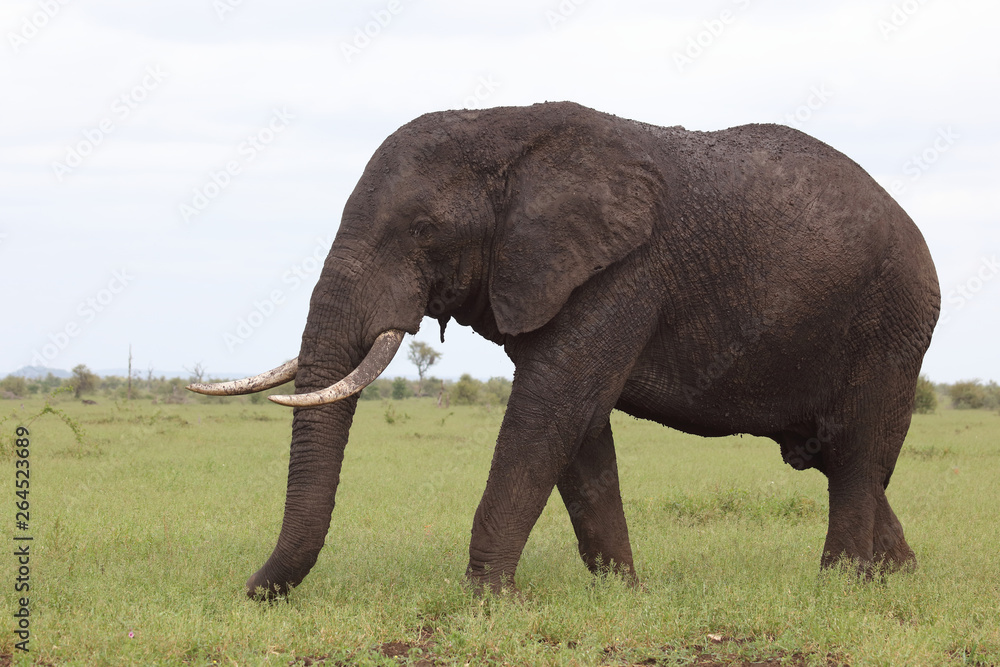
492,218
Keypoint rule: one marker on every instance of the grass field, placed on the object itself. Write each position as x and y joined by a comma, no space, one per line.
147,526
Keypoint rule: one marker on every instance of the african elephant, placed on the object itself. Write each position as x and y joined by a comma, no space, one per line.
750,280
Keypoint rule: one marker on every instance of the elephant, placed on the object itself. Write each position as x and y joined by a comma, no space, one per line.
751,280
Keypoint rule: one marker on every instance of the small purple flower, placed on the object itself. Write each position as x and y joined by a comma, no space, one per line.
131,634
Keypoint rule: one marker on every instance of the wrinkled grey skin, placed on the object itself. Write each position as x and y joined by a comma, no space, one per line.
751,280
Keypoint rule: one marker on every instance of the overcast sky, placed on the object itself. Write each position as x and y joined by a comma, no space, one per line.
119,224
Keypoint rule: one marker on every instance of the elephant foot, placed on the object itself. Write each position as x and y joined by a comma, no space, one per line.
887,551
487,582
891,553
614,568
630,581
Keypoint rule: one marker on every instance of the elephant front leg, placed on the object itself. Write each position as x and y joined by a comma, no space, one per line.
590,490
522,475
569,377
541,434
515,496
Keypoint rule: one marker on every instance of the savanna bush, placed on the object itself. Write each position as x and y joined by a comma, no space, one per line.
466,390
401,389
15,384
973,395
926,398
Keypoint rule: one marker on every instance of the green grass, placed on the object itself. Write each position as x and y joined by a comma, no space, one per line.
152,521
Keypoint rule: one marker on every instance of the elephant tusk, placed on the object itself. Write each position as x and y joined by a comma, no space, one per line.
251,385
382,352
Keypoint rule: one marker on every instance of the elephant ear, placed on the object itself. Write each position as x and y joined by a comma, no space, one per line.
577,205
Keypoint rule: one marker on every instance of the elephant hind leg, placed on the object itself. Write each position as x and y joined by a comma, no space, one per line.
863,526
589,488
891,552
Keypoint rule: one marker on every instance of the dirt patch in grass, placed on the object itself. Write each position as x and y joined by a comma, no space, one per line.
421,654
409,653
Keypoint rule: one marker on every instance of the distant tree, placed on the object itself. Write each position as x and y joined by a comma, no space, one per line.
466,390
197,373
423,357
111,383
497,391
401,389
968,395
83,380
45,385
50,383
926,399
991,398
15,384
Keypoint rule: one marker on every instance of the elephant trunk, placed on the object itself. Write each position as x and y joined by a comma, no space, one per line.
336,339
319,436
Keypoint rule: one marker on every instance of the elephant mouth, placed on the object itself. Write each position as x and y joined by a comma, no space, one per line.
443,301
382,352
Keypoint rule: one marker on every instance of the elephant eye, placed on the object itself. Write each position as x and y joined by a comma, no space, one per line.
421,227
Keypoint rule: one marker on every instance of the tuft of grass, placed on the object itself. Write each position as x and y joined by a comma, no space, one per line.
742,504
926,453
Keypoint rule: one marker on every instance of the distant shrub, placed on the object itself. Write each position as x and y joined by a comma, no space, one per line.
15,384
466,390
926,398
380,389
968,395
992,395
496,391
401,389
